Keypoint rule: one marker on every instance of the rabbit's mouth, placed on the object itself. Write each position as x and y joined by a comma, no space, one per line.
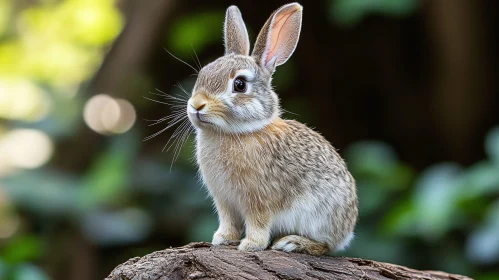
198,118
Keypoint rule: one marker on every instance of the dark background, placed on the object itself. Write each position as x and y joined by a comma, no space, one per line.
406,90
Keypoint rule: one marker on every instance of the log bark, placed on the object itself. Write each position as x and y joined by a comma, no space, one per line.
204,261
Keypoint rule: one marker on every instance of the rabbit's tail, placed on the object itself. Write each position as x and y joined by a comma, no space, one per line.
296,243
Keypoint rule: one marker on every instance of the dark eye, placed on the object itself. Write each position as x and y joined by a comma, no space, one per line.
239,85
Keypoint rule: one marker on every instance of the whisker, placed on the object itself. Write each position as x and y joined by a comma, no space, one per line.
157,101
158,120
179,120
161,91
175,139
182,126
199,62
181,61
196,63
180,139
165,119
155,134
284,110
174,135
164,129
188,133
182,88
178,112
179,106
176,119
158,94
169,96
180,143
165,96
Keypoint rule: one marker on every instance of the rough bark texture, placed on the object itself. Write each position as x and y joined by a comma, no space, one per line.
203,261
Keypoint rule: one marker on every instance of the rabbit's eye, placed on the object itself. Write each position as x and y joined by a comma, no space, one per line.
239,85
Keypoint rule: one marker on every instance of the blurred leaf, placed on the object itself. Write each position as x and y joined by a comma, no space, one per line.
451,259
372,198
22,248
492,145
436,196
193,196
471,208
488,276
350,12
93,22
196,31
109,175
116,228
42,28
106,179
372,246
43,192
5,12
400,219
377,163
155,178
3,269
9,218
483,243
367,155
29,272
481,178
203,228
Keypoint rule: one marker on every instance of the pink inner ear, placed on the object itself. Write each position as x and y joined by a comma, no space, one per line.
277,27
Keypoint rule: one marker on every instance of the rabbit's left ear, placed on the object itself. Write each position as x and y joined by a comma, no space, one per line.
279,36
235,33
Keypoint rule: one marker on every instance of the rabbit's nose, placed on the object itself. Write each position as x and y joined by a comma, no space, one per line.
199,107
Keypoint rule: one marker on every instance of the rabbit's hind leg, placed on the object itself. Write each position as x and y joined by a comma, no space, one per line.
296,243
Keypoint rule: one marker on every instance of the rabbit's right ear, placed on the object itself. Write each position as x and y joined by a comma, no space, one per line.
279,36
235,33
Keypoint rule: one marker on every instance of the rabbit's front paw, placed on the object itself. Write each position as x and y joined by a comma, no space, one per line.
250,245
220,238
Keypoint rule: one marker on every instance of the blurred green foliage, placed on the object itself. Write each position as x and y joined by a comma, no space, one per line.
435,209
72,52
195,32
46,51
351,12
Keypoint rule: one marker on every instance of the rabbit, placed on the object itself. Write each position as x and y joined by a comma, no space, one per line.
275,178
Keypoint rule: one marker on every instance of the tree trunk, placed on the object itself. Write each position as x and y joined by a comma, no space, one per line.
203,261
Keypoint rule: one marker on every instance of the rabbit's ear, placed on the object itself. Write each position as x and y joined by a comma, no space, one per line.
235,33
278,38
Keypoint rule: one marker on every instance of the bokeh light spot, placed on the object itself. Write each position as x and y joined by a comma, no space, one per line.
26,148
22,100
107,115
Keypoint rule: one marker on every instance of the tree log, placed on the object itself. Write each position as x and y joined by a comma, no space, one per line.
203,261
